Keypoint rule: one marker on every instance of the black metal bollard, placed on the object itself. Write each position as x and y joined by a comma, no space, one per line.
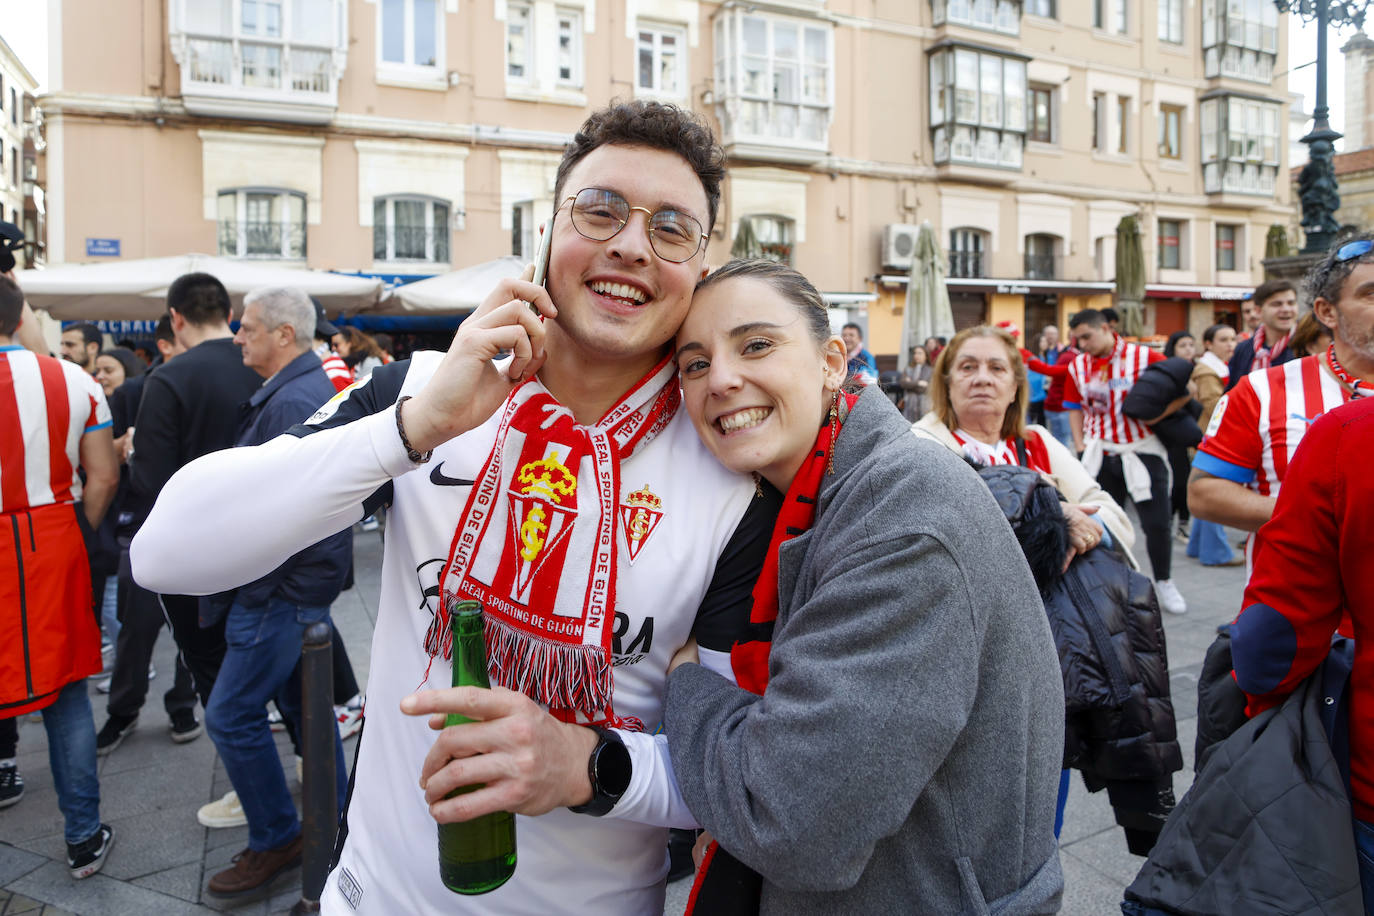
318,797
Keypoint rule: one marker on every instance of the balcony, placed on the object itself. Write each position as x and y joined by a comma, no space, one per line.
1041,267
264,76
966,264
267,240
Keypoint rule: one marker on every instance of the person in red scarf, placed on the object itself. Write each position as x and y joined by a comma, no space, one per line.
1268,346
979,395
562,487
892,704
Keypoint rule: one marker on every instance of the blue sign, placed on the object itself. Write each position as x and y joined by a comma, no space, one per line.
102,248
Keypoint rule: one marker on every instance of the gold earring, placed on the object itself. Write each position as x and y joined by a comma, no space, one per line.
834,431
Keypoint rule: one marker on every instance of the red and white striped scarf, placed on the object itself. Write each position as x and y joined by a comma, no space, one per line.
537,544
1264,356
1004,452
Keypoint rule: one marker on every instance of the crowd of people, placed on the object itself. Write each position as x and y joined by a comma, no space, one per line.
672,491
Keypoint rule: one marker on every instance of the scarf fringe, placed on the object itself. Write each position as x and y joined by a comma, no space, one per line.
558,675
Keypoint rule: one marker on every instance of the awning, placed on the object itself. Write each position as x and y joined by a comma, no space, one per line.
1178,291
137,288
840,300
1011,287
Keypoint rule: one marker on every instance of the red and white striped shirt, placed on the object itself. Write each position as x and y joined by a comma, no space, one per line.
46,406
1098,386
1258,424
1005,451
339,374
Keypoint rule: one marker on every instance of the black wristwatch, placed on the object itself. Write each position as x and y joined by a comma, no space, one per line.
609,770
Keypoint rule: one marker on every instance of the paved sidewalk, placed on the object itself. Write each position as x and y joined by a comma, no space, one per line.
151,788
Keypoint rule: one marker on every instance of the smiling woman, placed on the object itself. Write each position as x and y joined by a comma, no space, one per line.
838,770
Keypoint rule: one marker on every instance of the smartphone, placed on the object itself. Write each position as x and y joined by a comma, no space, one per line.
541,260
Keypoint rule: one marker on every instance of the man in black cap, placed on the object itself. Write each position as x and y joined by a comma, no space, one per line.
340,376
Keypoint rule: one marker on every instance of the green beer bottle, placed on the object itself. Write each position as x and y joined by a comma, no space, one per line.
475,856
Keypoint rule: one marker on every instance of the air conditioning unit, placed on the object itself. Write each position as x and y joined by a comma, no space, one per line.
899,246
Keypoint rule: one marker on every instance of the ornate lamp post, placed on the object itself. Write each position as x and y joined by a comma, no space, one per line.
1317,180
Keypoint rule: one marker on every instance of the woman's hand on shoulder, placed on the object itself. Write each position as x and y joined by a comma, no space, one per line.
467,387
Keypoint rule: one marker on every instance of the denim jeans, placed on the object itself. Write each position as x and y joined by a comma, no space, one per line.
1207,543
261,663
71,754
1364,853
109,609
1058,423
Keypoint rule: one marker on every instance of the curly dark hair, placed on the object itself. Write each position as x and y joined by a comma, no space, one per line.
1326,280
657,126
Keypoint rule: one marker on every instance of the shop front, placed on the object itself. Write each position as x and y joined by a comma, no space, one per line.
1174,307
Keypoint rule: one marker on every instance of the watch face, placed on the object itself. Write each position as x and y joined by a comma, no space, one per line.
613,768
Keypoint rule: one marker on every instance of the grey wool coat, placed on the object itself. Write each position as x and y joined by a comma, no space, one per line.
906,756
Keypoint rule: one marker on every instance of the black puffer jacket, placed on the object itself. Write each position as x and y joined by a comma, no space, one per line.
1119,726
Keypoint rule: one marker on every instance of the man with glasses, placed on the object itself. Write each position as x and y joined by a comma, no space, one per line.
1257,425
561,488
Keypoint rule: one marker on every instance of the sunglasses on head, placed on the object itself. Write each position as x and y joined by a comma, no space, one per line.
1356,249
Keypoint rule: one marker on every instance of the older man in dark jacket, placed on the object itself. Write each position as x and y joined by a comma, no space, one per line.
267,618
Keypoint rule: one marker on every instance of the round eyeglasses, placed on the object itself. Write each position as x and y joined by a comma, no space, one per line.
599,215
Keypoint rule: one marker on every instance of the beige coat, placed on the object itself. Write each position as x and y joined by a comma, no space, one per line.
1067,474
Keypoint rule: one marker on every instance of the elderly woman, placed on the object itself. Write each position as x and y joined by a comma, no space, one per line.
883,732
979,393
1127,746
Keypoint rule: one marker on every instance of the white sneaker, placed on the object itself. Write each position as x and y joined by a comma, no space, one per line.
1169,598
350,717
226,812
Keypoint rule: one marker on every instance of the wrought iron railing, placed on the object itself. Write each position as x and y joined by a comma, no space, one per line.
966,264
262,239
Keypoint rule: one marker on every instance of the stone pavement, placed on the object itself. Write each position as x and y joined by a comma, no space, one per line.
151,788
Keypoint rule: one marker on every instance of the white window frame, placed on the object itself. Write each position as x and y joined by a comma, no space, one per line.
1237,247
241,223
729,62
568,21
1112,16
992,132
658,31
1165,109
1240,144
965,241
1170,21
408,68
778,233
433,230
1002,16
521,9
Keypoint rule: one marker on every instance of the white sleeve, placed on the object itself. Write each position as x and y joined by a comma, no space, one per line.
653,796
233,516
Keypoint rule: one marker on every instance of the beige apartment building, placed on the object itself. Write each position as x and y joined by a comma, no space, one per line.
17,164
411,137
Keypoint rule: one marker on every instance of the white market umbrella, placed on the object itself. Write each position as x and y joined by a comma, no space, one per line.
453,293
137,289
927,313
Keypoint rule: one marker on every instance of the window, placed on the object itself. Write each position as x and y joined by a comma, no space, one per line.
1240,39
995,15
1170,134
569,48
1171,21
522,229
978,107
262,223
1110,16
519,53
1240,145
228,47
966,247
1170,231
1041,262
1123,120
1099,125
775,237
411,32
659,61
778,72
1041,127
14,107
14,167
410,228
1043,8
1226,246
